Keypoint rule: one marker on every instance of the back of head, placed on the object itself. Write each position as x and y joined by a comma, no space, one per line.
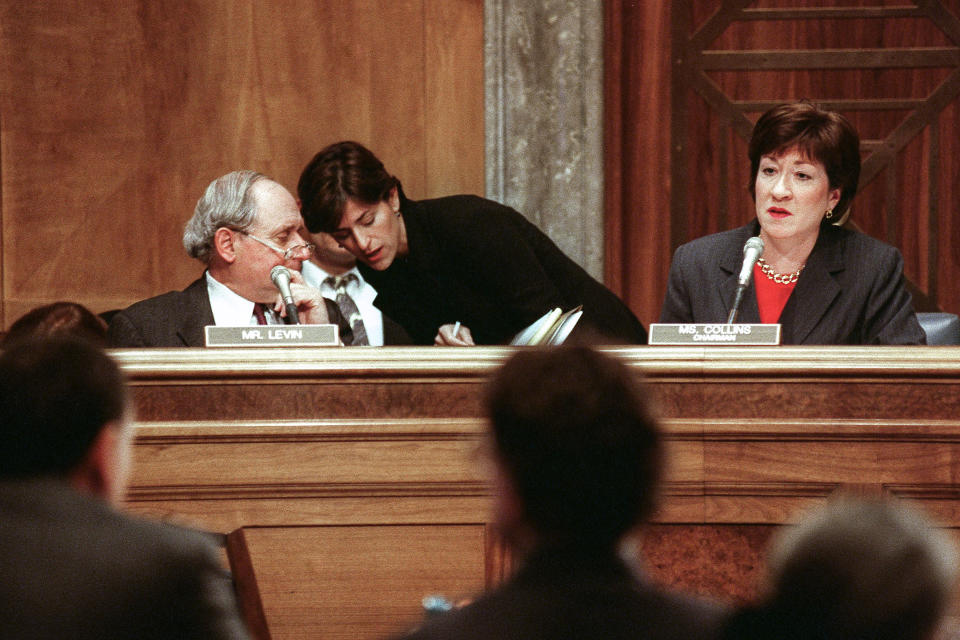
573,431
59,319
866,569
340,171
56,394
227,202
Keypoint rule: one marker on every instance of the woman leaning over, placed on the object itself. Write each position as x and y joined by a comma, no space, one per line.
824,284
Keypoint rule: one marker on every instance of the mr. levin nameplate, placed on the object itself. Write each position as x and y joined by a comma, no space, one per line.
700,334
274,335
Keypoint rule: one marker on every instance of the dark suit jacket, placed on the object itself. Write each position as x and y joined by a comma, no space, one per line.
483,264
394,334
850,292
568,594
177,319
73,567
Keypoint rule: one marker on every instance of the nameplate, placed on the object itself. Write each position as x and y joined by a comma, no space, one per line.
721,334
274,335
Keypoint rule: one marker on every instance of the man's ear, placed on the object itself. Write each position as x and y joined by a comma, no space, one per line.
95,474
223,244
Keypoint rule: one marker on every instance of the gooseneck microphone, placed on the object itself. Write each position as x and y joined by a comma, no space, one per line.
752,250
280,276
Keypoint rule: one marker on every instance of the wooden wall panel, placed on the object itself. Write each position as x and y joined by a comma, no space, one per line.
372,587
115,117
637,151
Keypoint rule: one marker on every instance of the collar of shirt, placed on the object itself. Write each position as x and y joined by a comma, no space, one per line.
231,309
361,291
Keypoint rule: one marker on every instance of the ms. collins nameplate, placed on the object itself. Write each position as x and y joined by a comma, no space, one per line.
720,334
274,335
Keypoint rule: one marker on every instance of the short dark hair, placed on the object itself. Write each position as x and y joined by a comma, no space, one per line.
821,135
339,172
574,431
59,318
56,395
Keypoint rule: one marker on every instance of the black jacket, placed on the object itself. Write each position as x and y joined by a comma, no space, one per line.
483,264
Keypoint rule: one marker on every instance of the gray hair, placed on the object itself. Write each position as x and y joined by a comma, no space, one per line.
226,203
864,568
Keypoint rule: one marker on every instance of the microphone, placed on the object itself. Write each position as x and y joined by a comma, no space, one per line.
752,250
280,276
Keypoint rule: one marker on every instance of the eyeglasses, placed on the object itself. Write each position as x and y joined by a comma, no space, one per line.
300,251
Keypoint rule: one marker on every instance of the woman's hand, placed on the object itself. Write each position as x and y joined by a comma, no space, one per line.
311,308
448,337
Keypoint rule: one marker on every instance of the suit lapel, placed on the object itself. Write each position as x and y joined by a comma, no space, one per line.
196,313
816,288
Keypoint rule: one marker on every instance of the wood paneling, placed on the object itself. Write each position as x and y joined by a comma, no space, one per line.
637,151
115,117
372,575
359,477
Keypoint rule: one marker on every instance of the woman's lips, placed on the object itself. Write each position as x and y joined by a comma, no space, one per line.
373,256
777,212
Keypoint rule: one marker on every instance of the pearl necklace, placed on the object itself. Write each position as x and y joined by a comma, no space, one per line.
779,278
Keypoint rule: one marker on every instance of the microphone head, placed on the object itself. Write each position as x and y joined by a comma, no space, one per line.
754,244
280,274
752,250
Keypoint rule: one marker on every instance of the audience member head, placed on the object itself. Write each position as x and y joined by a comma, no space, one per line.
869,569
340,172
65,414
576,445
244,225
822,136
59,319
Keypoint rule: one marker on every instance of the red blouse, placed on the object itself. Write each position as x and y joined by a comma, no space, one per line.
771,297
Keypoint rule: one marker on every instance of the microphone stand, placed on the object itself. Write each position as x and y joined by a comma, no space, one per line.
735,309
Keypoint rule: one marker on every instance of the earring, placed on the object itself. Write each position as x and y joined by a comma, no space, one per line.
397,212
829,214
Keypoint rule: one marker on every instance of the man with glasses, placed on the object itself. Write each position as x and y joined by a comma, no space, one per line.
244,225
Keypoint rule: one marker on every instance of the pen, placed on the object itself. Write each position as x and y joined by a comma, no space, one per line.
456,329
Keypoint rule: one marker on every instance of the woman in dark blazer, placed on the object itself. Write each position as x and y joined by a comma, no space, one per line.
456,270
824,284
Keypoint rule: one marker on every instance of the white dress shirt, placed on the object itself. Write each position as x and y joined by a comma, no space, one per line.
231,309
361,292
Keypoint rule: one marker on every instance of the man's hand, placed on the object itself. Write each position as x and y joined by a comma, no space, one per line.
311,307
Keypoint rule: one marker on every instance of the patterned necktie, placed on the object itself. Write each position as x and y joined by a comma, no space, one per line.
258,312
348,307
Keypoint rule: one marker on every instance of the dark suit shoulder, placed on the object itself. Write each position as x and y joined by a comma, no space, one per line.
106,575
157,321
581,604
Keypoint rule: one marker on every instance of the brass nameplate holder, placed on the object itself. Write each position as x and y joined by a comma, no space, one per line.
274,335
718,334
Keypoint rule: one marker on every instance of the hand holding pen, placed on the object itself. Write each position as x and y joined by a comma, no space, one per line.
454,335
